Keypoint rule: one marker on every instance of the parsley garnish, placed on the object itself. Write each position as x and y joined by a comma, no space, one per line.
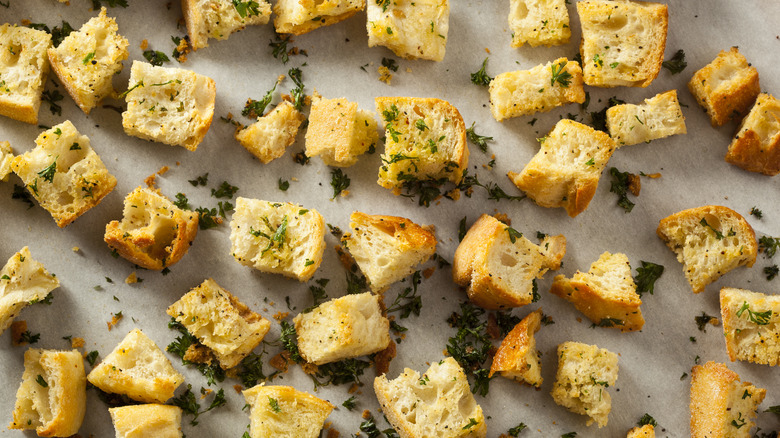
29,337
768,245
339,373
774,410
247,8
559,75
420,124
92,357
481,77
479,140
190,406
155,58
569,435
620,183
289,340
274,404
349,403
212,371
392,114
771,272
52,97
736,423
408,302
760,318
608,322
718,234
646,275
339,181
647,419
297,93
384,4
225,190
515,431
279,46
598,119
703,320
256,108
48,172
207,218
182,201
513,234
462,229
88,58
677,63
283,185
472,422
756,212
390,63
110,3
41,381
22,195
200,181
470,345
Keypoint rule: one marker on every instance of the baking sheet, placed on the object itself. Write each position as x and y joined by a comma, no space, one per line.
651,361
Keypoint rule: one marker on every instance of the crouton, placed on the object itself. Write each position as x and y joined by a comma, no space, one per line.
658,117
756,147
539,22
301,16
23,71
412,29
270,136
517,357
751,325
218,19
283,411
339,132
149,420
22,281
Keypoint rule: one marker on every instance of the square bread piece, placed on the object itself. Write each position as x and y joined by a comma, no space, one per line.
23,70
146,421
709,241
168,105
6,158
539,22
153,233
499,267
517,357
412,29
270,136
751,325
277,237
437,404
22,281
606,294
622,42
540,89
658,117
64,174
219,18
87,60
756,147
229,328
339,132
584,374
301,16
646,431
138,369
52,398
722,406
566,170
726,88
285,412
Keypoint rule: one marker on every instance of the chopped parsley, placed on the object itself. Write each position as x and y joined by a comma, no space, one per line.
200,181
703,320
646,275
619,186
479,140
390,63
225,190
513,234
739,422
768,245
297,93
190,406
279,46
48,172
52,97
339,373
274,404
207,218
771,272
420,124
111,3
757,213
249,8
289,341
408,302
718,234
155,57
569,435
598,119
212,371
559,75
760,318
88,58
349,403
41,381
481,77
92,357
472,422
515,431
29,337
182,201
256,108
339,181
384,4
471,345
462,229
677,63
283,185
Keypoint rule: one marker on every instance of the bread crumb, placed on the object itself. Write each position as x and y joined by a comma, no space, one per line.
653,175
75,249
132,278
26,22
115,318
408,69
384,74
178,163
366,414
17,328
279,316
294,179
150,180
383,358
333,433
503,218
77,343
144,44
487,50
454,194
163,170
344,193
309,368
428,272
183,48
634,184
280,361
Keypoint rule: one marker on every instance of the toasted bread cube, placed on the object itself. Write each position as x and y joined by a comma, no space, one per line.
412,29
709,241
622,41
751,325
301,16
517,357
439,403
153,233
168,105
540,89
339,132
23,70
64,174
22,281
566,170
87,60
726,88
229,328
52,398
219,18
756,147
658,117
283,411
584,374
6,158
277,237
539,22
721,405
606,294
139,369
270,136
501,268
146,421
646,431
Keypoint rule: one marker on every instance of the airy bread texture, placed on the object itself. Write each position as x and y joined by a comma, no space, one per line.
517,357
499,267
52,398
658,117
154,233
606,294
622,41
437,404
64,174
646,431
387,248
566,170
726,88
301,16
23,70
518,93
87,60
283,411
219,18
277,237
709,241
146,421
137,368
584,374
220,322
6,158
756,147
268,138
339,132
751,325
539,22
22,281
412,29
168,105
721,405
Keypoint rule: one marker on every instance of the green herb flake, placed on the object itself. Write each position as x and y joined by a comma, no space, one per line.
646,275
560,75
274,404
339,181
88,58
760,318
41,381
481,77
677,63
479,140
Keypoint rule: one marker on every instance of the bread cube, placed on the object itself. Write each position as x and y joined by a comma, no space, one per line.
153,233
219,18
339,132
439,403
221,322
52,398
756,147
146,421
22,281
137,368
268,138
540,89
168,105
539,22
277,237
412,29
709,241
499,267
23,71
517,357
658,117
726,88
283,411
751,325
87,60
622,41
64,174
6,158
566,170
721,405
646,431
301,16
584,374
